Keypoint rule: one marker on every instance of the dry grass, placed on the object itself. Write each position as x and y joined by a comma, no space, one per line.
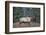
31,24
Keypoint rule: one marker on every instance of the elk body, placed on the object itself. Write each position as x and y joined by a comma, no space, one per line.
25,19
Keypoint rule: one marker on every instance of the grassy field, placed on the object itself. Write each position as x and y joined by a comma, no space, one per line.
32,24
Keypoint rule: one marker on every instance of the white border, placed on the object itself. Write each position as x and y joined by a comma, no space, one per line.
11,29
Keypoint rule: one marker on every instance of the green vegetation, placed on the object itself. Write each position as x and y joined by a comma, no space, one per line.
19,12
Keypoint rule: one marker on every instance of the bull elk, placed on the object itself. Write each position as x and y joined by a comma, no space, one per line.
25,19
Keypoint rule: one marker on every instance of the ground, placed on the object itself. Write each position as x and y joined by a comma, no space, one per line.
31,24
